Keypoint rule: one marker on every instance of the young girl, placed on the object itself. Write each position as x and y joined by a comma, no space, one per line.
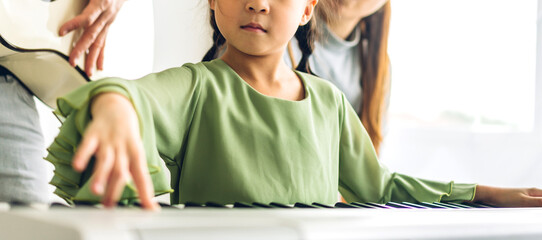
242,128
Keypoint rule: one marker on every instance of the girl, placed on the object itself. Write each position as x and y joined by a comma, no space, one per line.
241,128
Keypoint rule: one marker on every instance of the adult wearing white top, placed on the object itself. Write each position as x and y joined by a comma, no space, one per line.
24,174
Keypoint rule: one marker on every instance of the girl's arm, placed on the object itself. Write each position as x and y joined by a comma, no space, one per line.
147,122
113,137
508,197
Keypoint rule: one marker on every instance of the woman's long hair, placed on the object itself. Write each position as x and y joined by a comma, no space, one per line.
375,78
375,64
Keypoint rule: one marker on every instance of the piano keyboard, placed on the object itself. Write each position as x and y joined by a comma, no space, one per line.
272,205
394,220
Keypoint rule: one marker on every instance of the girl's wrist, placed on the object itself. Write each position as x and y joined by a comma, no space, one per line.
105,103
484,194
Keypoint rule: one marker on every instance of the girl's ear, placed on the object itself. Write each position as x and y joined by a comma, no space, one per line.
212,4
307,14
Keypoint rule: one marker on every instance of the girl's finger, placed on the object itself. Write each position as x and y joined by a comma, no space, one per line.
533,202
535,192
117,180
84,152
141,177
102,170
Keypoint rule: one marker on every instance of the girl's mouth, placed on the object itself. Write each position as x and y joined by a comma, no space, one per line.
254,27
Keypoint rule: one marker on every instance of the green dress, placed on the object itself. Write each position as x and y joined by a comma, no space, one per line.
225,142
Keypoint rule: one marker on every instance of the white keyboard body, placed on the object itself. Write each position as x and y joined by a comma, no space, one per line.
125,224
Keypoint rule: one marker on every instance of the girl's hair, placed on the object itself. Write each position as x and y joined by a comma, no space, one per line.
374,62
218,40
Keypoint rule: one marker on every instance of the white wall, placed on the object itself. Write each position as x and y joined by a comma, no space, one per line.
182,32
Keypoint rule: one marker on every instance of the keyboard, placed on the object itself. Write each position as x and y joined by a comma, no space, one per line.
271,221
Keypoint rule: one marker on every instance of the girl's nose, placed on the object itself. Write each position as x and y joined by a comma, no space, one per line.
258,6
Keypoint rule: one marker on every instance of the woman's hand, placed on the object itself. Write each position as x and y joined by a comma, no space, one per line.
508,197
95,19
113,138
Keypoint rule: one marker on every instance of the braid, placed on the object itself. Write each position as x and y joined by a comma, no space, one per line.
218,40
305,36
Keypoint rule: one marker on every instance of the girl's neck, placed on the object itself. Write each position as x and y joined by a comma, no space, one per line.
267,74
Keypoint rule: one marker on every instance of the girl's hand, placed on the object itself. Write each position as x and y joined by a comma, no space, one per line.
508,197
95,20
113,138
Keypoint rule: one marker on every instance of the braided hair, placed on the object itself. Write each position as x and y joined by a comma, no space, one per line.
306,36
218,40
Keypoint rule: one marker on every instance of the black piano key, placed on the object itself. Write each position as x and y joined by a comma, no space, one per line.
215,205
321,205
192,204
262,205
363,205
431,205
415,205
398,205
82,204
345,205
378,205
459,205
279,205
303,205
446,205
19,204
161,204
478,205
242,205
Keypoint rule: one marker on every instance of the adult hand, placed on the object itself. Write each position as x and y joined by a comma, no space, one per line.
113,138
95,20
508,197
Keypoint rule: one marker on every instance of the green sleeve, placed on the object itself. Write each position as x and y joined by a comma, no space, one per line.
362,178
164,103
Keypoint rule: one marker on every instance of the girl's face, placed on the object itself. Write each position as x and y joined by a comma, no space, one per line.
260,27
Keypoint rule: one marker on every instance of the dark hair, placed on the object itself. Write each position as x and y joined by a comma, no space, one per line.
305,36
218,40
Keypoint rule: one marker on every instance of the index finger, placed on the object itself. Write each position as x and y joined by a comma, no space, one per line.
85,19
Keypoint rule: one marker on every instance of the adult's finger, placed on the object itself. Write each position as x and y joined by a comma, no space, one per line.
141,177
84,152
94,51
89,37
100,61
102,169
83,20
